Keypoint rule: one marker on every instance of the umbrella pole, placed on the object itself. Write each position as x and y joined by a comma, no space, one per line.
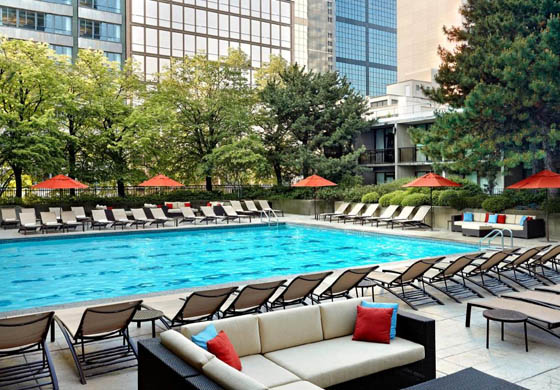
431,211
315,202
547,226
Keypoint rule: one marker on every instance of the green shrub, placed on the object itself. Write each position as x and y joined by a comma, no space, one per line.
385,200
496,204
466,185
370,197
552,206
446,196
393,186
415,200
475,201
397,197
435,197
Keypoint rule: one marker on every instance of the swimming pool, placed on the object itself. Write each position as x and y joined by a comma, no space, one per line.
55,271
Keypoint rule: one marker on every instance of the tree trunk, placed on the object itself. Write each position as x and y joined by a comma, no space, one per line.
208,183
17,176
72,163
278,173
120,188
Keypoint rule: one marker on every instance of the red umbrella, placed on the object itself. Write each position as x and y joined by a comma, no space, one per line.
432,180
160,181
543,180
314,181
60,182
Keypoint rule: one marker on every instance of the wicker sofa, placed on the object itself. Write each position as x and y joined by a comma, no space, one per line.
478,227
306,348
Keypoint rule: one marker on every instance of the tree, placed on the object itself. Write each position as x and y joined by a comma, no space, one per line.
502,83
313,119
202,105
30,140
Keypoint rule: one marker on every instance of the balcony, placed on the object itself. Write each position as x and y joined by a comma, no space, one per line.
378,156
412,155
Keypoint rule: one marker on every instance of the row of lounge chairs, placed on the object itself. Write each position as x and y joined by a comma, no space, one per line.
387,217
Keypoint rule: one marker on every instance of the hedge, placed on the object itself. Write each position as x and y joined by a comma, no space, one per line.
370,197
415,200
496,204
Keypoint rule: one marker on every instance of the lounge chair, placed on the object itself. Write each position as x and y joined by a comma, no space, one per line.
98,324
69,221
121,219
198,306
404,215
49,221
232,215
339,211
19,335
27,210
537,297
80,213
266,207
546,265
239,208
189,216
353,212
370,210
537,313
480,273
386,214
158,214
99,219
253,208
450,279
395,282
140,215
57,211
209,215
417,221
298,290
28,222
251,299
342,285
8,217
518,270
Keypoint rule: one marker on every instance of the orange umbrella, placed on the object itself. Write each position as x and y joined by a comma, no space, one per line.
543,180
160,181
60,182
432,180
314,181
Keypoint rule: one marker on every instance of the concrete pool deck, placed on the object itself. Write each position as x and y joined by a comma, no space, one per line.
457,347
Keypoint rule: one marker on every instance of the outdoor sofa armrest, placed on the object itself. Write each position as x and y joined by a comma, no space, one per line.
457,217
534,228
159,368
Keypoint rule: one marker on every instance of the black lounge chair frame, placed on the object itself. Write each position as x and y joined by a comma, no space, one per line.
230,311
328,293
36,371
280,302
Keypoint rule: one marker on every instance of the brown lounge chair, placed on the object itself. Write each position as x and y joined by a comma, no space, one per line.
19,335
537,313
481,273
417,221
353,212
49,221
339,211
370,210
395,282
8,217
517,269
537,297
386,214
98,324
404,215
251,299
342,285
197,306
298,290
28,222
546,265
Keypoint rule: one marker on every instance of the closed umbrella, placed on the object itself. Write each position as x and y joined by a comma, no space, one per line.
432,180
314,181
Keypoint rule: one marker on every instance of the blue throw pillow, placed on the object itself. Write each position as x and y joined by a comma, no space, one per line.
523,219
468,217
203,337
493,218
394,306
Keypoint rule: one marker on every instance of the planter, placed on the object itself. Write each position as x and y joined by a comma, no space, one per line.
302,206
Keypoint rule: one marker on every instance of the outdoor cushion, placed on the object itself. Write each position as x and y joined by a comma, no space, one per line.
493,218
265,371
506,226
288,328
373,324
339,360
243,332
222,348
394,306
468,217
299,385
501,218
510,219
338,318
479,217
201,339
185,349
229,378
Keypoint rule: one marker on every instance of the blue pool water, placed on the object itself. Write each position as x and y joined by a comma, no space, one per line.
55,271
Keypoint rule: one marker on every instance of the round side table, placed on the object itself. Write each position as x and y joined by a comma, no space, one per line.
505,316
148,315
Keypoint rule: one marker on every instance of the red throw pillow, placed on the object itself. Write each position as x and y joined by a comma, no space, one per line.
373,324
223,349
159,206
208,204
187,204
529,219
501,218
486,218
169,205
109,207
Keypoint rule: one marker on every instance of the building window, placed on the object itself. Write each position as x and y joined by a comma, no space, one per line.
350,41
382,47
102,5
379,79
356,75
383,13
69,2
100,30
115,57
62,50
351,9
38,21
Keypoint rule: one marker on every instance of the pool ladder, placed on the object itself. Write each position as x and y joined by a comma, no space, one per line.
496,233
268,216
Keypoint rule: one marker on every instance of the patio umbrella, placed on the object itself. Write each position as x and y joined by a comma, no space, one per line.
60,182
314,181
432,180
543,180
160,181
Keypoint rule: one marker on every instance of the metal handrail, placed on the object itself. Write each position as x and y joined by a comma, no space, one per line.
495,233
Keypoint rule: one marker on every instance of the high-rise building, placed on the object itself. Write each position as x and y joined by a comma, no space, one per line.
67,25
160,29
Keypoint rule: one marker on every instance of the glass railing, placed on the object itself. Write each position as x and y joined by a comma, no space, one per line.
412,155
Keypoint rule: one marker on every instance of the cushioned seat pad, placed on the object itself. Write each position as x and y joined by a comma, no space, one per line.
266,371
300,385
339,360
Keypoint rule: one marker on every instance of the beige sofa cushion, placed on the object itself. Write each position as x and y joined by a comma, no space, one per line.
243,332
266,371
230,378
288,328
339,360
338,318
300,385
479,217
510,219
475,225
506,226
185,349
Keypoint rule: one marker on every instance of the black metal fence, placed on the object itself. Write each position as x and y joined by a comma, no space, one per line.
378,156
